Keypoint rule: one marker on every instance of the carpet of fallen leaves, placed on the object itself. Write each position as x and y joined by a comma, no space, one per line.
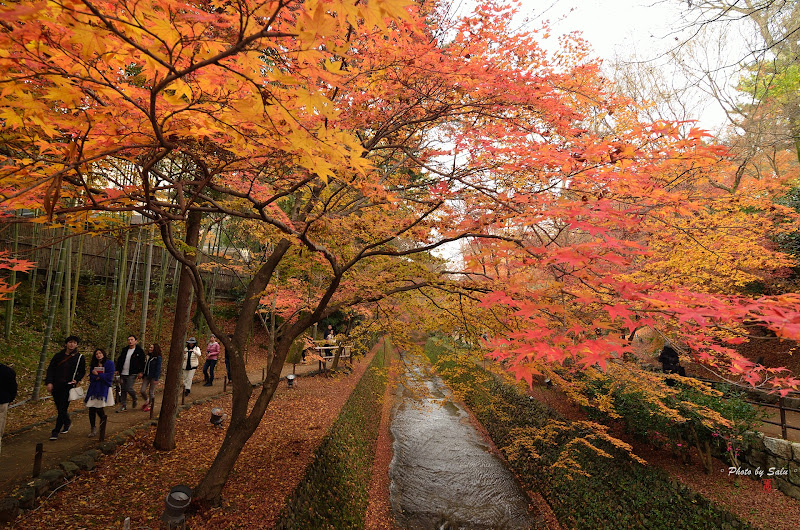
744,497
379,509
134,481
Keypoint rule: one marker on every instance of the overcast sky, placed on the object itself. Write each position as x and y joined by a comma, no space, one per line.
613,26
617,28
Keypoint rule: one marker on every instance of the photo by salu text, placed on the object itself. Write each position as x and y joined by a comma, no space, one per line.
758,472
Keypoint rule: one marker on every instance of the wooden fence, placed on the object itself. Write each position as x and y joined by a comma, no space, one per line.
783,406
100,257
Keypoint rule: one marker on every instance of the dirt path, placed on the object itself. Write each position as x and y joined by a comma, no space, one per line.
134,481
18,450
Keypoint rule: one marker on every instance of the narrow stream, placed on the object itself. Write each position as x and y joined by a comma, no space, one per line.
442,474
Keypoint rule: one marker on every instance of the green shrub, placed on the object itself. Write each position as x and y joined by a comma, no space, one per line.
335,490
688,414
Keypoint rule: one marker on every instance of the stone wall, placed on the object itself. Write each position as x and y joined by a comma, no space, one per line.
765,457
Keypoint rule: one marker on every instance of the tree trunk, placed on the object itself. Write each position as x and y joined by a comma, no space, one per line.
209,491
165,432
794,128
337,355
242,425
12,280
48,332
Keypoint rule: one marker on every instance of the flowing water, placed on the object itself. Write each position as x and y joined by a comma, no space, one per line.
443,475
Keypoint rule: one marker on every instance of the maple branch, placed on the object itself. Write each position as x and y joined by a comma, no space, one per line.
356,300
364,251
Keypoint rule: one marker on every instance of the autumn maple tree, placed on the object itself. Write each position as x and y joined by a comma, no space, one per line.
353,138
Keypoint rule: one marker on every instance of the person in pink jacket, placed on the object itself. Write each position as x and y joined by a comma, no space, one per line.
212,354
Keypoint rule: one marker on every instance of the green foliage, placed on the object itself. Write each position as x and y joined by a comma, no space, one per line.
778,79
714,421
589,480
225,311
335,490
296,352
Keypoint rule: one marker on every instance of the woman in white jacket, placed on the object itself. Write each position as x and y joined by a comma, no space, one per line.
191,360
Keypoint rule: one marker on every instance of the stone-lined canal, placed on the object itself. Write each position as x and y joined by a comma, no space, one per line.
443,475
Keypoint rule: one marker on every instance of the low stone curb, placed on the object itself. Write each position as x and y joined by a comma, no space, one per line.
28,494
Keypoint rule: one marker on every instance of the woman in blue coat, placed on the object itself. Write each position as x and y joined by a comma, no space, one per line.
99,395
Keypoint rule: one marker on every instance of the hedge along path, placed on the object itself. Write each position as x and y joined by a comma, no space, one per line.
134,481
379,510
335,491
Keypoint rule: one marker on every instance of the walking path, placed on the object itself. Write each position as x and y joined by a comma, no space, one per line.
267,471
18,450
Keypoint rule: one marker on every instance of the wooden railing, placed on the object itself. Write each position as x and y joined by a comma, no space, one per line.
327,350
781,406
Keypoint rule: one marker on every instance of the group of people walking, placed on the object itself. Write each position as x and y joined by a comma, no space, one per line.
67,369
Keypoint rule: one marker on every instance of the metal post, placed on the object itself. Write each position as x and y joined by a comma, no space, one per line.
783,417
103,428
37,460
152,404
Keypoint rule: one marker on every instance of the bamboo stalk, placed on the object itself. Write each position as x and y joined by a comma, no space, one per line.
49,281
146,290
134,267
66,323
51,316
120,288
78,264
161,288
35,241
12,281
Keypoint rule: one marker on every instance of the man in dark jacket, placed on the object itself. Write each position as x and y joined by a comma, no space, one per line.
8,392
129,366
65,371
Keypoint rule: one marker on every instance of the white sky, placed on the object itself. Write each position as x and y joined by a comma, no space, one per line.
614,26
617,28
